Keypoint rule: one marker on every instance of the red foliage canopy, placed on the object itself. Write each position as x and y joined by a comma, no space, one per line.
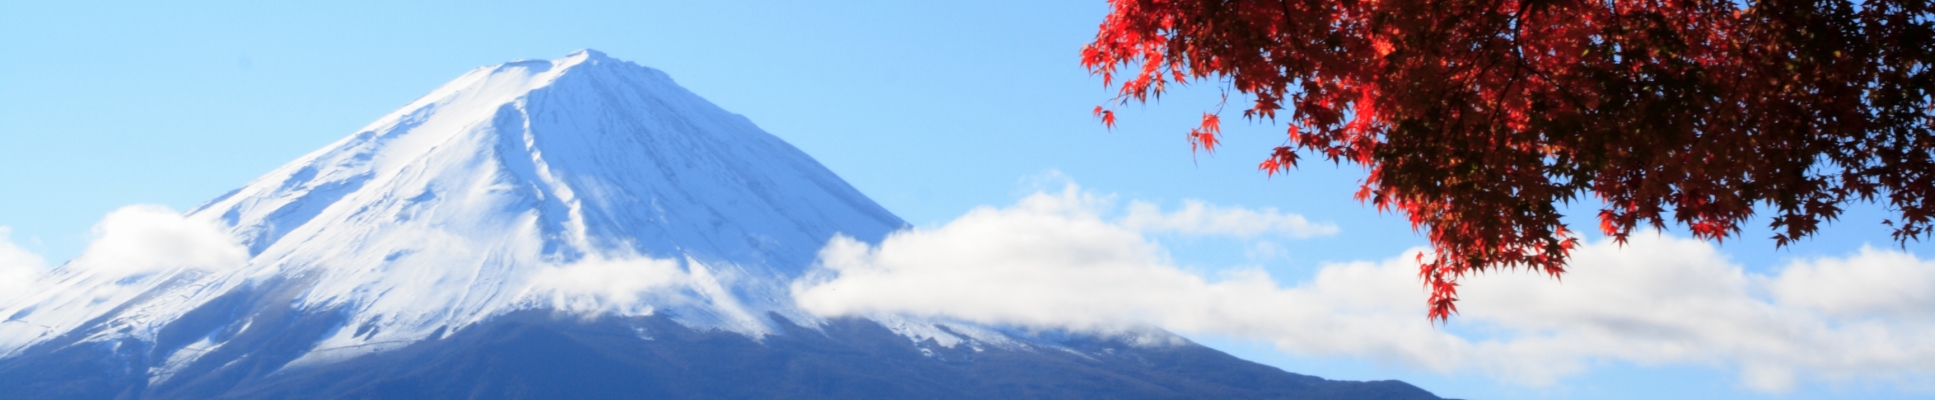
1475,117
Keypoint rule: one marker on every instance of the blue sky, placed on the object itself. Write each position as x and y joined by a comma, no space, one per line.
931,109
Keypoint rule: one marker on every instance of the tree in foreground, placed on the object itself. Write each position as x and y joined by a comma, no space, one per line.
1476,117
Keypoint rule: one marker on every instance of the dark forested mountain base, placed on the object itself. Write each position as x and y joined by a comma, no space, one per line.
539,355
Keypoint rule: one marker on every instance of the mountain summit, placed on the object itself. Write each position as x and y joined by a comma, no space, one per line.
579,156
505,189
572,228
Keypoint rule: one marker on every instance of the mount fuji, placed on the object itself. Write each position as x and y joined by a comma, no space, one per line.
572,228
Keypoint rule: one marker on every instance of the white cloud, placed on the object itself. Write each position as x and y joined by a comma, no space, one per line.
1051,261
632,284
1263,250
18,267
1872,284
132,246
1044,262
601,284
1199,218
147,238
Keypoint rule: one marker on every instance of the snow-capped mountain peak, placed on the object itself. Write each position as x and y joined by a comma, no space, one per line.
584,183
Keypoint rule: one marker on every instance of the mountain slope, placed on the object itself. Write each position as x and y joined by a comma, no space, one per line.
581,227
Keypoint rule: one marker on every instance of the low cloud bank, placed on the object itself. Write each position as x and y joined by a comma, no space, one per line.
131,246
131,240
148,238
600,283
633,284
1053,261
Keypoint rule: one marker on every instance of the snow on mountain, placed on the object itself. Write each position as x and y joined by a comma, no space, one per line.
575,228
584,184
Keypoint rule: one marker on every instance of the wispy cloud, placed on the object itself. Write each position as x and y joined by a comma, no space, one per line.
1199,218
1053,261
632,284
601,284
18,267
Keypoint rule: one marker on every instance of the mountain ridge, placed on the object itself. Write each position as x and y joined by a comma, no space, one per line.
584,197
